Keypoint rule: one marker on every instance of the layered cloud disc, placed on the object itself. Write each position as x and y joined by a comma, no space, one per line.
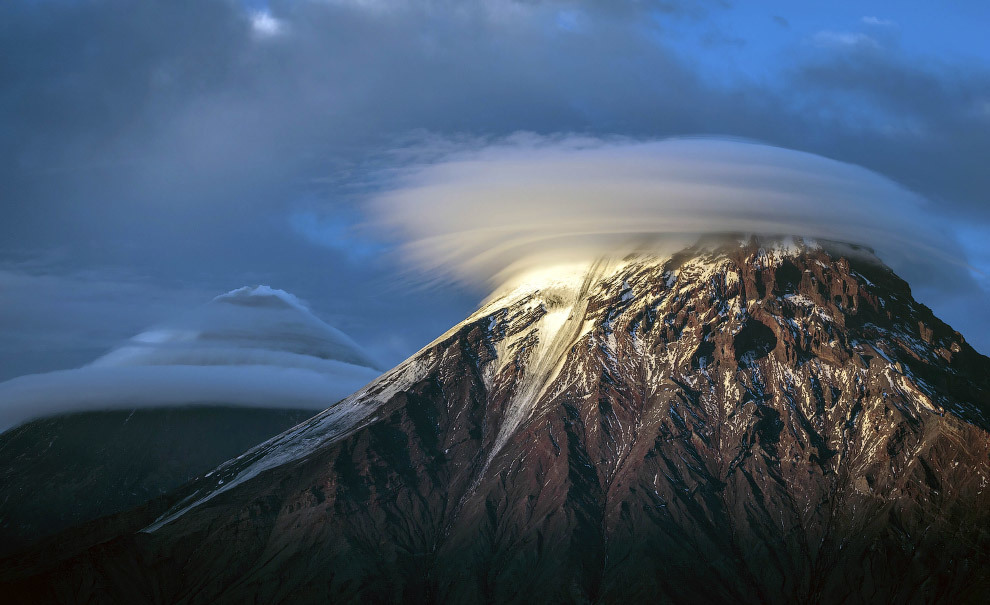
248,326
256,346
483,214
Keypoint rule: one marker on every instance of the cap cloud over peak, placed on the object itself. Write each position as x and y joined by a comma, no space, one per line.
484,213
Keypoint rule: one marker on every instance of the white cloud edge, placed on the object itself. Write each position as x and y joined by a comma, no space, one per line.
128,387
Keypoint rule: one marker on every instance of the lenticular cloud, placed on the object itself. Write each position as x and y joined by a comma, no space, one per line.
483,214
252,347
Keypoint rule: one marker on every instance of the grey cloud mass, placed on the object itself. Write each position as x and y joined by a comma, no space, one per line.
193,146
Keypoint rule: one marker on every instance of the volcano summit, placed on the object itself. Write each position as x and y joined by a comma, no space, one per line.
754,421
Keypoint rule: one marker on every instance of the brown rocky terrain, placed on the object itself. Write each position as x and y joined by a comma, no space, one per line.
754,423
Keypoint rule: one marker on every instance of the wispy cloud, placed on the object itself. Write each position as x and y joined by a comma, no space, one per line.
265,25
105,388
844,39
875,21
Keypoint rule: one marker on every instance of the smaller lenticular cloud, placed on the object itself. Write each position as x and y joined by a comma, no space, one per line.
254,347
255,325
484,214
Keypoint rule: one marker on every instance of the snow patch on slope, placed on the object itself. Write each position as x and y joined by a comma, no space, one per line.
334,423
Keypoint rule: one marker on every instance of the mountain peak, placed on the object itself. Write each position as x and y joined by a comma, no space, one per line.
778,421
740,304
710,248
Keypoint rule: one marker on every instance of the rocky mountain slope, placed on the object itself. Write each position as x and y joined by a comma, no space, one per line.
751,423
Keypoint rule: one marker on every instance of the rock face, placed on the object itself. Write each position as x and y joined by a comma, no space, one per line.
65,470
746,423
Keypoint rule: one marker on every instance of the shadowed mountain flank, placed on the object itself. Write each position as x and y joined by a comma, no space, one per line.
65,470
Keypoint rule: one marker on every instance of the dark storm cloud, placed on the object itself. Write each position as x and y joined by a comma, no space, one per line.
205,144
182,140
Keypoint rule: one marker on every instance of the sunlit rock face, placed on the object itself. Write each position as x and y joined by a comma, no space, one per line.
252,347
752,422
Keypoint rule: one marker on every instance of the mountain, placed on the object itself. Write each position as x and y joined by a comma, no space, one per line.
169,404
751,422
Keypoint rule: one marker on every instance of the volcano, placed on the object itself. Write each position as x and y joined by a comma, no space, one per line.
755,421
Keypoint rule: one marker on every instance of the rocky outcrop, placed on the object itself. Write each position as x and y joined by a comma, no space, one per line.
747,423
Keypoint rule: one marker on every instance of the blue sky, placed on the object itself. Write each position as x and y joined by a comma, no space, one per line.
156,154
768,33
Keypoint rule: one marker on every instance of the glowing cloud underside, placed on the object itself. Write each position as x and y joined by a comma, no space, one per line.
486,214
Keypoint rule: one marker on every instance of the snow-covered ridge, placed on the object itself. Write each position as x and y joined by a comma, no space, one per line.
564,302
333,424
565,289
561,295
